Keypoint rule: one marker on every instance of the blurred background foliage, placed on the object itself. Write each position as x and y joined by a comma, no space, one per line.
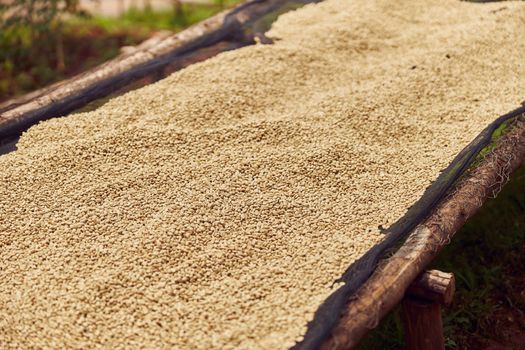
43,41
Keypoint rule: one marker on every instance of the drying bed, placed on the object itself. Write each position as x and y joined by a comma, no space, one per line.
391,277
221,206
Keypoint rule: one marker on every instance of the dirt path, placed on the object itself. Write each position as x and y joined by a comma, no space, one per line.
215,208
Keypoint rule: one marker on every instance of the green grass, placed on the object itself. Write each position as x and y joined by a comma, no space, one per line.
486,256
500,130
32,59
149,20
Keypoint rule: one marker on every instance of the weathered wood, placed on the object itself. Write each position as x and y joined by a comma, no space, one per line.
433,285
422,325
421,310
387,286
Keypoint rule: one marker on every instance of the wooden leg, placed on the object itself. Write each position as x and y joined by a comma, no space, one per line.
421,310
422,325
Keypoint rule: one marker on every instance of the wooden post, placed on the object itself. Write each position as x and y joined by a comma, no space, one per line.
421,310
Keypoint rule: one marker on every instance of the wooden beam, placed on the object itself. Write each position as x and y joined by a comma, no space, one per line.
433,285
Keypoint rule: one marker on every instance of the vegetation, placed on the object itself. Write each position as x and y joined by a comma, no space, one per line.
487,257
147,19
43,41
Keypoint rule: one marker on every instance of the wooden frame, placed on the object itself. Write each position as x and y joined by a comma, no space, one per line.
387,286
